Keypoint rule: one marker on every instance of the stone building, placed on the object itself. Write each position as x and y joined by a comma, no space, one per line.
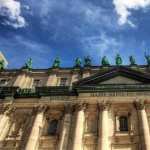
79,108
2,58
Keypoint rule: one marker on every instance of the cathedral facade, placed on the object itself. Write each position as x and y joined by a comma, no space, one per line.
79,108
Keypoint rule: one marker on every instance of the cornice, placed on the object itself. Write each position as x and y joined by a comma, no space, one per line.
16,92
72,68
110,73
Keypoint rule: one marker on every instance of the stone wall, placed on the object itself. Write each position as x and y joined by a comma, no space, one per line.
80,126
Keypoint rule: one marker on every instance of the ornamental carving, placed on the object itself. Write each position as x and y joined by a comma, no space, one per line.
105,105
42,108
81,106
68,109
39,109
139,105
17,125
9,110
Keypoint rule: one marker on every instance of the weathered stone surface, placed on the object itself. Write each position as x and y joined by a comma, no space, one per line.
87,117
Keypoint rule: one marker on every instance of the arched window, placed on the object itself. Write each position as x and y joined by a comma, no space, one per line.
123,122
52,127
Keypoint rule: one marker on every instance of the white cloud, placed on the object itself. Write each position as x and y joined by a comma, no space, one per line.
11,11
101,45
124,8
80,11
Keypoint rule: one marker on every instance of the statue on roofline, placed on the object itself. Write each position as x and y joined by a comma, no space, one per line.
147,57
56,63
132,60
118,60
87,61
28,64
105,61
77,62
2,64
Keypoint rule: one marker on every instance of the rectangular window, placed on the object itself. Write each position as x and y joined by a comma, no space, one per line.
52,127
3,82
123,122
36,83
63,81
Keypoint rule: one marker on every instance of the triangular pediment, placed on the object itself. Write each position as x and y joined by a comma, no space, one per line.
120,80
118,75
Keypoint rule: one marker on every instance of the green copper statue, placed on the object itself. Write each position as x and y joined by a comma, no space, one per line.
2,65
132,60
56,63
105,61
118,60
77,62
147,59
87,61
28,64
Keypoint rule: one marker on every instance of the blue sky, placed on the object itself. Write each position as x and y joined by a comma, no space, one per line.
68,29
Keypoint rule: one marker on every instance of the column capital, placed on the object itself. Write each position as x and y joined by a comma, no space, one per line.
9,109
39,109
105,105
81,106
42,108
68,108
139,105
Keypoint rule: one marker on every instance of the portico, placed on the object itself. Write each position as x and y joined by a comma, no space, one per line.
107,110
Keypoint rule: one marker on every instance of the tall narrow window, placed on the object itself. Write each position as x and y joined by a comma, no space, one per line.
63,81
123,122
52,127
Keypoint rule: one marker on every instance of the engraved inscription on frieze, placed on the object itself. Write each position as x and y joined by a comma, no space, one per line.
98,94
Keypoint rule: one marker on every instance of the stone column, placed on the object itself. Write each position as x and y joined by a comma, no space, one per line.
63,143
28,82
5,124
79,128
33,141
74,76
144,126
20,80
52,80
103,140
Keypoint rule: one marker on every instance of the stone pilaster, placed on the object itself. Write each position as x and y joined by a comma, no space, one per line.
52,80
28,82
75,75
86,72
33,141
103,140
31,83
79,128
143,121
63,143
20,80
5,123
